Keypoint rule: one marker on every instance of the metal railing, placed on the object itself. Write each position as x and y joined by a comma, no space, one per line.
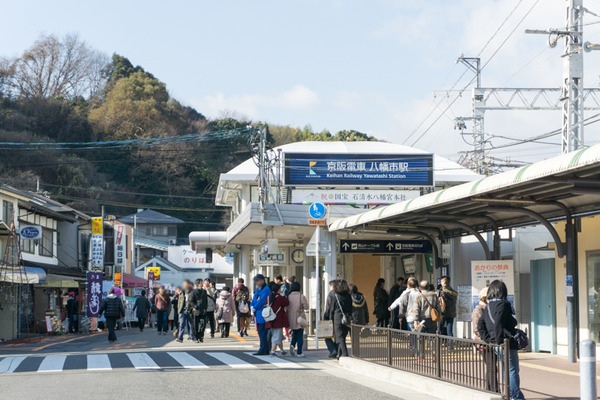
469,363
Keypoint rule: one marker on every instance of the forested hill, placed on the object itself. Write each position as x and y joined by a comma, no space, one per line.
62,91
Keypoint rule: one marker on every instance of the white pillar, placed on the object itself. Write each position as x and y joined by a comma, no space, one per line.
330,259
244,263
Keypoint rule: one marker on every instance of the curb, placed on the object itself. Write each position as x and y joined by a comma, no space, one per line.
415,382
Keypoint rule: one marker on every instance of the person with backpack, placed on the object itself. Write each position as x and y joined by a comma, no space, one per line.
243,315
259,302
113,309
447,298
278,304
225,310
498,323
296,313
196,306
360,309
238,290
141,308
339,310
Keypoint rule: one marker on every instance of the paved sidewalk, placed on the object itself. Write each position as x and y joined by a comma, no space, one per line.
545,376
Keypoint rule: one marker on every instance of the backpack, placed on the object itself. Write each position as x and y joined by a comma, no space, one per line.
239,295
244,307
268,314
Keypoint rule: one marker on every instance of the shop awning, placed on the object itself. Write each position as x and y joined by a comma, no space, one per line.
60,281
130,281
23,275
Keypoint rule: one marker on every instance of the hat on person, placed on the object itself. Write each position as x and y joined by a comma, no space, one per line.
259,277
72,294
483,293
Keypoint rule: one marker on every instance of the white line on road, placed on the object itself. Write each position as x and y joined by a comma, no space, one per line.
98,362
278,362
9,364
186,360
52,364
230,360
142,361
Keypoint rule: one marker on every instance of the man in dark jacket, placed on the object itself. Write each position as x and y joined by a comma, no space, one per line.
112,307
141,307
447,297
185,320
395,292
197,308
72,309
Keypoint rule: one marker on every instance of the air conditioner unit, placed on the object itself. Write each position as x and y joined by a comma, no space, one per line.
172,242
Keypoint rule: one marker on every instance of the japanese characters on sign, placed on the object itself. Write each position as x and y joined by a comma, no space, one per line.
384,246
486,271
97,245
119,245
153,272
352,197
310,169
94,294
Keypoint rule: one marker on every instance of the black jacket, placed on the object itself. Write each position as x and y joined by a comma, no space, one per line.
450,297
197,302
71,307
112,307
360,310
395,292
503,326
381,304
334,313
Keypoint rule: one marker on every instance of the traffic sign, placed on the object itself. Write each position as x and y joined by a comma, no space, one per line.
316,210
316,222
385,246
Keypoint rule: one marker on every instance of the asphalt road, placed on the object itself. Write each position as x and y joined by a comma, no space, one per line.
146,366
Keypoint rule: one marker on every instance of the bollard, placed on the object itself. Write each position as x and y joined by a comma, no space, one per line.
587,370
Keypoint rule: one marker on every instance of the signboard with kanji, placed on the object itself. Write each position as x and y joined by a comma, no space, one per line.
94,294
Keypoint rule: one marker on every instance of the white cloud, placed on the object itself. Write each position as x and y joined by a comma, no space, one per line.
255,106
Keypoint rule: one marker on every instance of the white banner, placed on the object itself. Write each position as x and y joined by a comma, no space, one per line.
119,245
485,272
97,252
343,197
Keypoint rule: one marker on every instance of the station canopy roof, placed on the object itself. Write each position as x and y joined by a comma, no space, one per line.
446,172
571,180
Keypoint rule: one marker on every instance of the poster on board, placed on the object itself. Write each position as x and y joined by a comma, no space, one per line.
464,307
485,272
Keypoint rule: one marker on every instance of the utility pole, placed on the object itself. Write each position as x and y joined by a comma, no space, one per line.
267,200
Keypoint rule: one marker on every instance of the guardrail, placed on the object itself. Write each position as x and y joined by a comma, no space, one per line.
470,363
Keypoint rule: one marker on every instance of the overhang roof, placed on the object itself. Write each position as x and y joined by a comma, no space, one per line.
150,217
571,180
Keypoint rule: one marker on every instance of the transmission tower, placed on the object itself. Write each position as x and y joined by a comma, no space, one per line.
572,99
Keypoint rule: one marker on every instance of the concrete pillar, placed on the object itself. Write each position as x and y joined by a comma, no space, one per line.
244,263
331,258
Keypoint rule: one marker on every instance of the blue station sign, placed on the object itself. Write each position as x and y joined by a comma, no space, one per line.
390,170
385,246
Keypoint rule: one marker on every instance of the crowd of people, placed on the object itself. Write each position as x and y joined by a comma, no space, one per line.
279,311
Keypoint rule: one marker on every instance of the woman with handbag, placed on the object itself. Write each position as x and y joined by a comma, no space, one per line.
339,309
278,304
297,318
498,323
225,310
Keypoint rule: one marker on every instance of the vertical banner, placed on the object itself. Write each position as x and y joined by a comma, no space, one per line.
150,281
94,294
484,272
119,245
97,244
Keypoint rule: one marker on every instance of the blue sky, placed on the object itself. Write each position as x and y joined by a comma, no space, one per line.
335,64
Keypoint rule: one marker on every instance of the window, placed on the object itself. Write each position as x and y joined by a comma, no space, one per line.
593,292
7,211
28,246
172,231
148,231
47,243
160,231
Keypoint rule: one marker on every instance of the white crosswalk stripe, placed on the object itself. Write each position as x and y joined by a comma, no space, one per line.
98,362
142,361
230,360
52,364
186,360
9,364
278,362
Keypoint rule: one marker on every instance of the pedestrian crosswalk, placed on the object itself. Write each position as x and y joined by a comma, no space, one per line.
145,361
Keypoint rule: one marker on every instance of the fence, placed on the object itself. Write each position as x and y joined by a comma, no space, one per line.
464,362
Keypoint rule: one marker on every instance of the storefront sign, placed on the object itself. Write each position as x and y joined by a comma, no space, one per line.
352,197
385,246
31,232
154,272
392,170
184,257
119,245
97,245
94,294
150,287
118,279
485,272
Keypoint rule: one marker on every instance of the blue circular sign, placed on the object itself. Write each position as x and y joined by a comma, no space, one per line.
30,232
316,210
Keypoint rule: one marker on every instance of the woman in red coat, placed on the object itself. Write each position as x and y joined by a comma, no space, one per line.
279,304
